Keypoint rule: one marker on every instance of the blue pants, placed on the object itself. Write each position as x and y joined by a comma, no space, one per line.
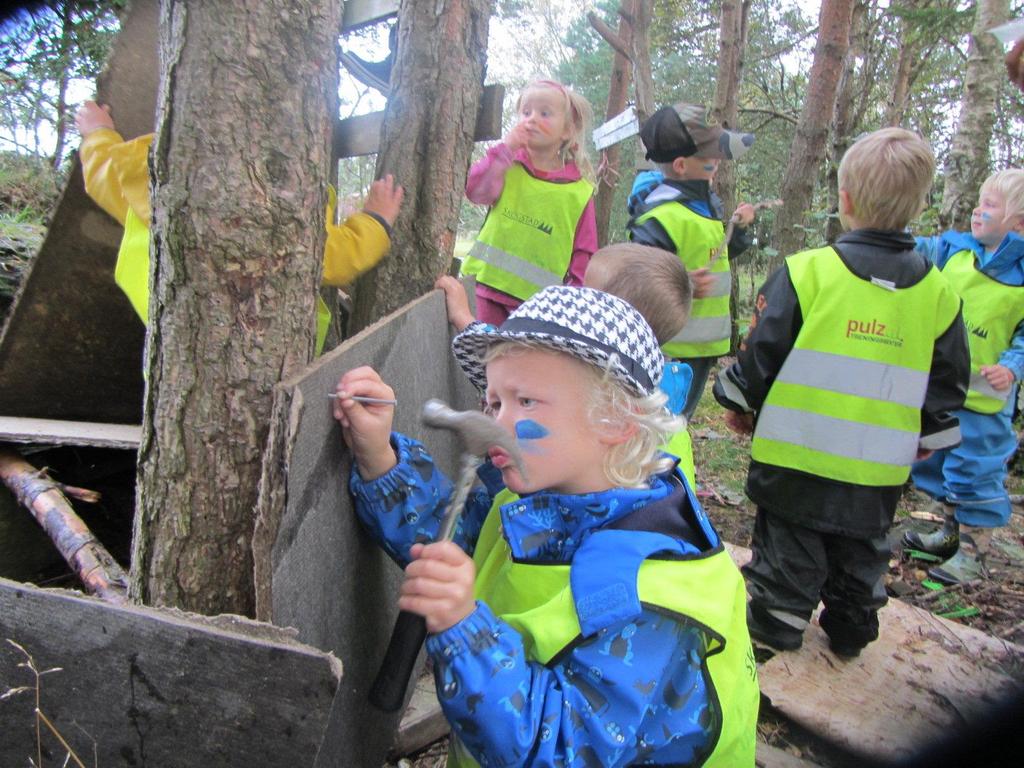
971,476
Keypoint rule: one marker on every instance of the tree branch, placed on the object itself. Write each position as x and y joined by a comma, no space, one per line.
610,36
98,571
774,114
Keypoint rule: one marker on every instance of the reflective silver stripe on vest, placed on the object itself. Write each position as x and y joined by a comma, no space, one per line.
979,384
721,287
699,329
939,440
837,437
514,265
855,376
731,391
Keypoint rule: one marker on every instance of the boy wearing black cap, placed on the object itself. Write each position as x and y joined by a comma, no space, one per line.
587,612
684,216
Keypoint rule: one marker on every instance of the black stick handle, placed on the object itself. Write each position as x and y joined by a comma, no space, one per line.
388,690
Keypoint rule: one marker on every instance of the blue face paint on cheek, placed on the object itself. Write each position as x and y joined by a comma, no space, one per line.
528,429
986,216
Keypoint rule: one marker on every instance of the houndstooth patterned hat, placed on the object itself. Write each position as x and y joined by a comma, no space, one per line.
590,325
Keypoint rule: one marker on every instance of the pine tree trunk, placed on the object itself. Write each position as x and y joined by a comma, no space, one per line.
732,43
643,78
808,147
967,164
843,119
910,50
426,142
618,92
241,163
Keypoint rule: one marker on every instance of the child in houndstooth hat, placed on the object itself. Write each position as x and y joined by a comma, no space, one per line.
587,612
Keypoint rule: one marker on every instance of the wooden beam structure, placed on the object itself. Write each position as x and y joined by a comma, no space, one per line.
361,13
360,135
16,429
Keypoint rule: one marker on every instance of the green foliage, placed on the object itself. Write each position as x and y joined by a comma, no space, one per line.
28,186
48,56
20,238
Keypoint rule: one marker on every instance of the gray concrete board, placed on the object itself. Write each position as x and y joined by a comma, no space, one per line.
328,579
153,687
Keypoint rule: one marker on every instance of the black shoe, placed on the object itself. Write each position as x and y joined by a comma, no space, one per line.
774,640
845,651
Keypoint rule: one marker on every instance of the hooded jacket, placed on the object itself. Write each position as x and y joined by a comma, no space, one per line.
598,675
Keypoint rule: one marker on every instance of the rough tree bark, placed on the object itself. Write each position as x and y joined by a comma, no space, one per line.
643,84
732,43
240,163
968,161
909,55
618,93
843,119
808,148
426,142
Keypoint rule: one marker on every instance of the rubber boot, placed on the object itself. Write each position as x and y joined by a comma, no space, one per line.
969,561
942,542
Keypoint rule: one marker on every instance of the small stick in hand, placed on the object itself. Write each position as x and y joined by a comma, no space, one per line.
732,226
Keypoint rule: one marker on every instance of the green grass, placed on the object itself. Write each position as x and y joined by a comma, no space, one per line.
20,238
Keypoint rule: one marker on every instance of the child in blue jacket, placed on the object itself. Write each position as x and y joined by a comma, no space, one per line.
587,612
986,268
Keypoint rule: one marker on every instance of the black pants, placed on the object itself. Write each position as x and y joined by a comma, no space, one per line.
793,567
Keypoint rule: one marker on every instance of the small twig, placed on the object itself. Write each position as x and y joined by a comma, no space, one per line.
55,732
950,590
733,221
82,494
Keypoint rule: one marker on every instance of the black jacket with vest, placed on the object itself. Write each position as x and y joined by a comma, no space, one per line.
809,500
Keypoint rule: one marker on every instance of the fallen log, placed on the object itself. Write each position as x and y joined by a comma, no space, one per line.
88,558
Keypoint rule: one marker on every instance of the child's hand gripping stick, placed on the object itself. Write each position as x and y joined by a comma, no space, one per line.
478,433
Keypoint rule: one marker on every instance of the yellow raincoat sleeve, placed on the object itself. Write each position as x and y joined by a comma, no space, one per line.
116,172
353,247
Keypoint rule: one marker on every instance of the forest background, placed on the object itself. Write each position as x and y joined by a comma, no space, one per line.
914,63
806,78
906,66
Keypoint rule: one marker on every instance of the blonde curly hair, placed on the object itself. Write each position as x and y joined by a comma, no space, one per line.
631,463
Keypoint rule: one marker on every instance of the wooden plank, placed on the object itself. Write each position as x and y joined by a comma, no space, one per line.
72,346
773,757
360,135
924,678
15,429
316,569
360,13
149,687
